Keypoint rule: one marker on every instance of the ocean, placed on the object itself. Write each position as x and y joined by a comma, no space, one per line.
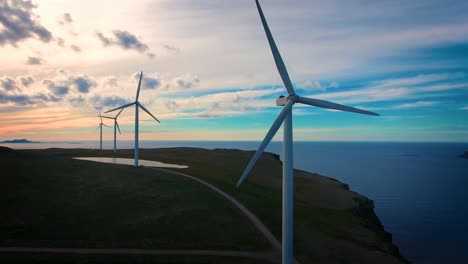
419,189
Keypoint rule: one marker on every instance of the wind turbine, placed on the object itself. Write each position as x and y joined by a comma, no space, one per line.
137,105
285,117
100,131
116,125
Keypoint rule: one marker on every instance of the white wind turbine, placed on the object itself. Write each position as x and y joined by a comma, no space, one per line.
285,117
100,131
137,105
116,126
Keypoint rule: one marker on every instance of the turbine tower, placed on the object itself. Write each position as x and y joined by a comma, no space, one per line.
137,106
100,131
116,125
285,118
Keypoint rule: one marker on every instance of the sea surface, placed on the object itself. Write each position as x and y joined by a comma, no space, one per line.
420,190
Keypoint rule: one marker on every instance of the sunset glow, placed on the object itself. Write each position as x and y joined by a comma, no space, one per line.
209,74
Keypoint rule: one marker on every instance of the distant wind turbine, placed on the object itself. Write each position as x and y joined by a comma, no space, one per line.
285,118
137,105
100,131
116,125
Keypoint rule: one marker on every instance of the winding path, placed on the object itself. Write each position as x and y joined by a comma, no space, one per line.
267,255
273,255
258,224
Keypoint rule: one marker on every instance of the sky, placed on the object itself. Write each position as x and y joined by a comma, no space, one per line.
209,73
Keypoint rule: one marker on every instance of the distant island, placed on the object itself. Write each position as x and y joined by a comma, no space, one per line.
464,155
14,141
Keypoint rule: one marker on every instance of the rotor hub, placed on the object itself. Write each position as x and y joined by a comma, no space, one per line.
283,100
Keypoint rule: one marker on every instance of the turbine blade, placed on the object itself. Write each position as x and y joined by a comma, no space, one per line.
120,107
139,84
105,125
116,123
271,133
276,54
108,117
99,126
100,116
330,105
119,113
146,110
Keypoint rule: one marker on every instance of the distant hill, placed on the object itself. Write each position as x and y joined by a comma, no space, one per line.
18,141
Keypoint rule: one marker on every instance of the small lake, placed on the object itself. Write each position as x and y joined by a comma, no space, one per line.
147,163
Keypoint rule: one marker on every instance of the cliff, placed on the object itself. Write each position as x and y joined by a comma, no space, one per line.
331,223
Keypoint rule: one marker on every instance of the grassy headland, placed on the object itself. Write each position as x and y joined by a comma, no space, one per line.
53,200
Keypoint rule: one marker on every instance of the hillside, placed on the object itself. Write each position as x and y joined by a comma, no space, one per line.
56,201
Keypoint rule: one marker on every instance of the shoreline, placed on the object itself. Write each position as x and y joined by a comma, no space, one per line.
371,232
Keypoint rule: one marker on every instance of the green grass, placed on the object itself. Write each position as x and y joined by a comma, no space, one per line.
60,202
332,224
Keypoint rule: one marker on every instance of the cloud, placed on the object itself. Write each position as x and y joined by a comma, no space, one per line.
24,99
65,82
25,80
441,87
154,81
187,81
82,83
77,100
75,48
310,85
220,104
46,97
171,105
15,99
60,42
333,85
65,19
19,23
110,81
58,90
35,61
125,40
413,87
419,79
171,48
104,40
101,102
182,82
8,83
65,87
151,81
113,101
415,104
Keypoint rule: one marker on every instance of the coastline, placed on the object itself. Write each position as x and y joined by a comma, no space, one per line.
363,208
328,213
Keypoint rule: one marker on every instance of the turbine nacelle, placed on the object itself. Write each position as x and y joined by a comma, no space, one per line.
285,116
282,100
